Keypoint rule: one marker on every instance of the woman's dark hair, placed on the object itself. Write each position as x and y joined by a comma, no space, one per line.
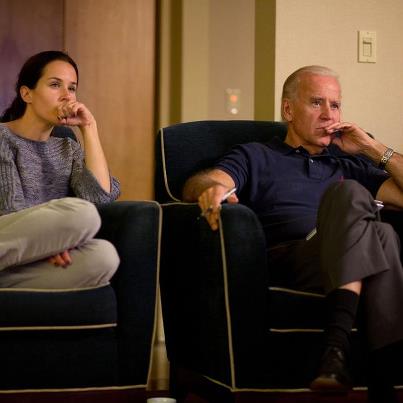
30,73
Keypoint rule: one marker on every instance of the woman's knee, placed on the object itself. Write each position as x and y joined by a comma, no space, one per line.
94,265
104,260
77,215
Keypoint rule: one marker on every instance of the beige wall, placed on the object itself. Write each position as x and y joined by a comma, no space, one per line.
325,32
231,56
216,52
18,21
265,47
195,60
255,44
113,43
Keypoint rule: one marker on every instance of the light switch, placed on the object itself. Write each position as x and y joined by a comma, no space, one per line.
367,46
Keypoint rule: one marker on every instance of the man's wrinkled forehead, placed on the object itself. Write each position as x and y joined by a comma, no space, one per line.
319,86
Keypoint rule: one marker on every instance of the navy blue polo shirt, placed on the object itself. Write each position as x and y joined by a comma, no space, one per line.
284,185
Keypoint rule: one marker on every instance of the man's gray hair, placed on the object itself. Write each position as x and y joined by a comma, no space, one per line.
291,83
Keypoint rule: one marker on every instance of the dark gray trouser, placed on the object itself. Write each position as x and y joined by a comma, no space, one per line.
350,245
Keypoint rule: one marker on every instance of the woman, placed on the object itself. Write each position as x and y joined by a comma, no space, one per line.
40,225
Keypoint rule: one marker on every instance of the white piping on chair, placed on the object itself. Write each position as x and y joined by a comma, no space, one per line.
228,313
157,293
274,330
89,389
164,168
297,292
300,330
277,390
56,327
51,290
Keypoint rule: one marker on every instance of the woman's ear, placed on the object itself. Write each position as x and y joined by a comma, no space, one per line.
25,93
286,110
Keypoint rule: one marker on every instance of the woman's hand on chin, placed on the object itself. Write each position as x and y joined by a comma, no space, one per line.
74,113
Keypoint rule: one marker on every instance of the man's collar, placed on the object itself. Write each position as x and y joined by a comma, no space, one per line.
279,145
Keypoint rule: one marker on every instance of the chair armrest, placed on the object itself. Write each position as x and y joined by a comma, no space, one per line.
134,229
213,288
394,217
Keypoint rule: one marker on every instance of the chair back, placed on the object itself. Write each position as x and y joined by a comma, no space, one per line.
64,131
186,148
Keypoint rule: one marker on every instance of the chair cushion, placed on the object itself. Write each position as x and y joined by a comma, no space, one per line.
27,309
291,309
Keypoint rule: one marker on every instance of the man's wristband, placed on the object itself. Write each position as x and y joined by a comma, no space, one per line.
385,158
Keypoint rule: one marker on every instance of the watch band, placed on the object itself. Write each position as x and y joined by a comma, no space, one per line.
385,158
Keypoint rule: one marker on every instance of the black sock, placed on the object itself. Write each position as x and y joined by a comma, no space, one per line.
342,308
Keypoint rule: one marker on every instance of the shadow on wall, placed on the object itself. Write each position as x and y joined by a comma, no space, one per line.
8,70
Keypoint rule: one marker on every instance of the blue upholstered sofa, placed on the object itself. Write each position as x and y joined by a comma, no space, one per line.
230,335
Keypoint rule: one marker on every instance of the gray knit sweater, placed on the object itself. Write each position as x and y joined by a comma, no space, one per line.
34,172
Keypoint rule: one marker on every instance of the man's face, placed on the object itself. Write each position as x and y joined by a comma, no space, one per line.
315,106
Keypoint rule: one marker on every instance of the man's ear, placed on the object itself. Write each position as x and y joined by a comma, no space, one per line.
286,110
25,93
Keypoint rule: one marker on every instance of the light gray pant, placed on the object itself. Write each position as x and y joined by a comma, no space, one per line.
30,236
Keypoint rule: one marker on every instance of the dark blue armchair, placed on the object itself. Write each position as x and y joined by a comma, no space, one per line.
230,335
88,340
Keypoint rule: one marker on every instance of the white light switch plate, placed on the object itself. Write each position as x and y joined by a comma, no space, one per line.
367,46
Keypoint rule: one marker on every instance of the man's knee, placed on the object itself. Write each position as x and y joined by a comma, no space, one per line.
346,188
347,195
388,236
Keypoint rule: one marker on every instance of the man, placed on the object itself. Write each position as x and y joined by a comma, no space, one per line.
324,177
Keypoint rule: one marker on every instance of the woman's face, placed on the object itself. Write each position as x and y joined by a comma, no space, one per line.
57,85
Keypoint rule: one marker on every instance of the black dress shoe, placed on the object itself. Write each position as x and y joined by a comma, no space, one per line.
333,373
